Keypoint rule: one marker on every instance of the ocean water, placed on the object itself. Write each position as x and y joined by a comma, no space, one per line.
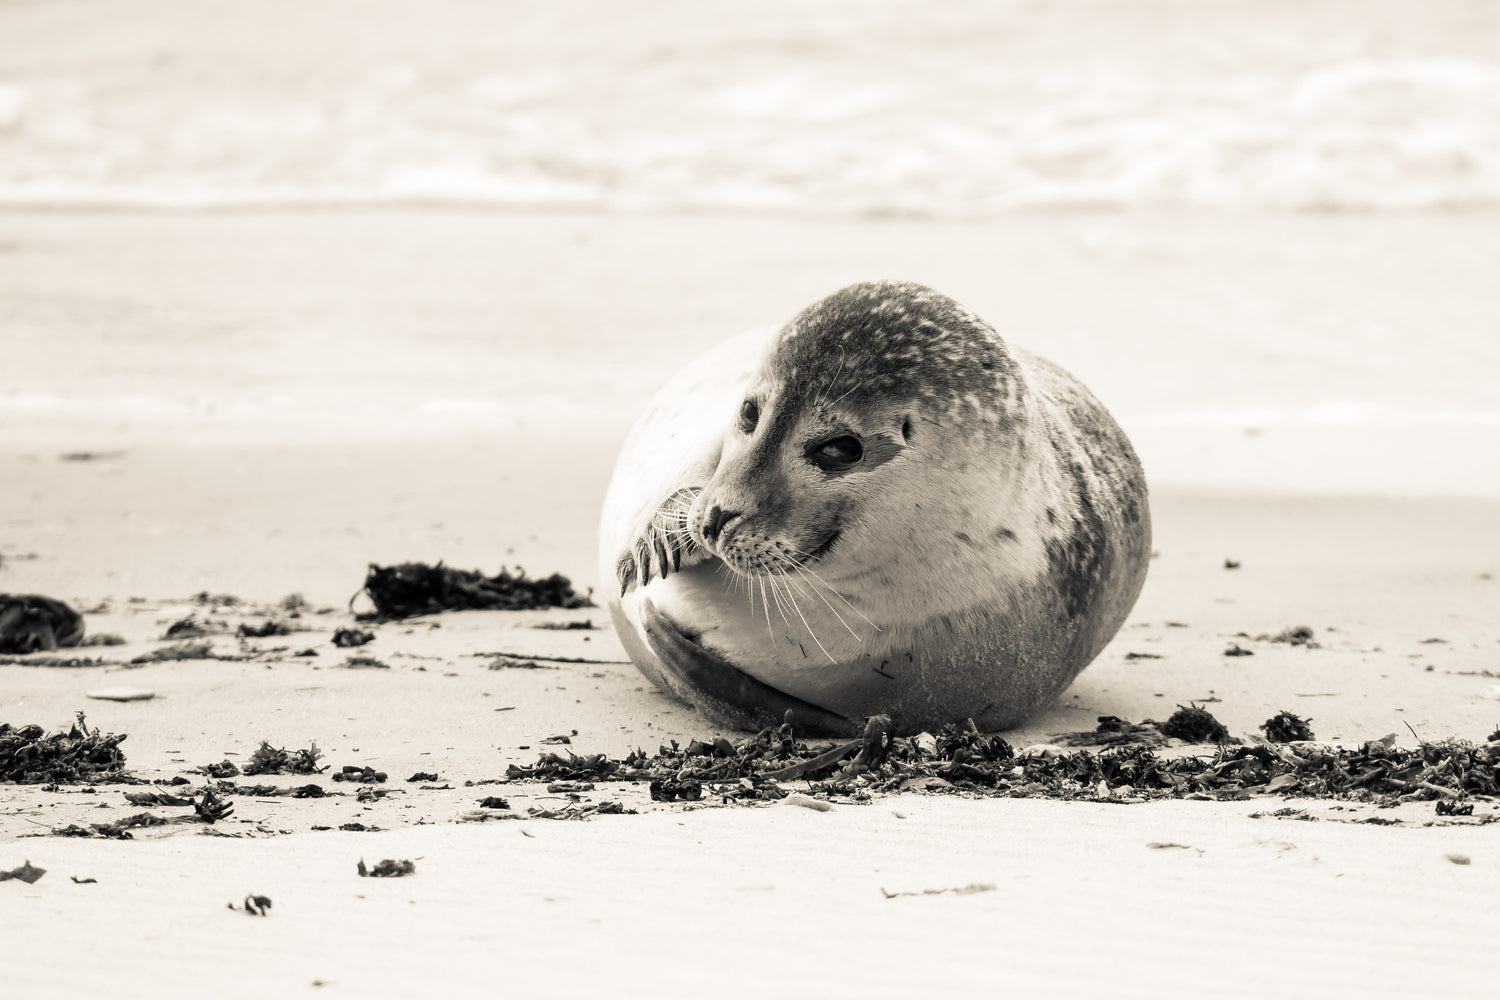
1262,231
842,107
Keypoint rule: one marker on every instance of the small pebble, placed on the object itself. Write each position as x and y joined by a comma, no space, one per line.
807,802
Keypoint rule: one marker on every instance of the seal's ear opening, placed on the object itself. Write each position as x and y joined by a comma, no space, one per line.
906,430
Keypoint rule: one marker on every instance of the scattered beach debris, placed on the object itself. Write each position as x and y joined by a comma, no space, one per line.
191,628
424,776
960,760
360,775
1114,731
212,806
84,881
1295,635
31,623
579,811
1143,656
40,660
495,802
1286,727
347,637
1448,807
27,757
676,790
1231,564
1167,845
254,906
389,868
1235,649
270,760
185,650
417,589
274,791
962,890
559,739
215,600
506,662
102,639
365,663
587,623
27,873
1195,725
156,799
264,630
224,769
121,694
1457,859
89,456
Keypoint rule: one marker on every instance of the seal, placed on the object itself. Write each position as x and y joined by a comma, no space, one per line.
880,508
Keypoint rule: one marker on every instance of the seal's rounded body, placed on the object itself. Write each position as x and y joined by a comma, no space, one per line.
879,508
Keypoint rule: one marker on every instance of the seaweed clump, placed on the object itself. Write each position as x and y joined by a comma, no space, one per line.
1195,725
81,755
31,623
418,589
271,760
1284,727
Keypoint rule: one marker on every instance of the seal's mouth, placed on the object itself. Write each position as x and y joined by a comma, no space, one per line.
823,550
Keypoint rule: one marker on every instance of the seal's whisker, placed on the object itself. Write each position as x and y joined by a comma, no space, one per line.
809,628
796,561
767,605
823,393
847,391
780,561
831,608
781,599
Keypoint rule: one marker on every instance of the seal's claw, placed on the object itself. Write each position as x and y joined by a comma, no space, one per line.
723,691
625,572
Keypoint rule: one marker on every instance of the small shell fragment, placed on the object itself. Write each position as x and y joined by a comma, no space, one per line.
122,694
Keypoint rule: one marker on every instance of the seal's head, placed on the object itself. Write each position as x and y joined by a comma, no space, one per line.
886,410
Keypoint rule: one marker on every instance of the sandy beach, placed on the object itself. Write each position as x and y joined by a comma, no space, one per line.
1399,589
273,311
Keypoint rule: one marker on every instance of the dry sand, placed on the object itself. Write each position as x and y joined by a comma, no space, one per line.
733,901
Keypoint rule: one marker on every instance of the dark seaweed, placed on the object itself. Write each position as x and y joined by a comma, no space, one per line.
1195,725
419,589
81,755
1284,727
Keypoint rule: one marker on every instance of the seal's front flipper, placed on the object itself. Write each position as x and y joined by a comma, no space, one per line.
722,690
664,546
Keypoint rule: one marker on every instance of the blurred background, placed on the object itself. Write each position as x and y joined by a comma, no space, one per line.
377,250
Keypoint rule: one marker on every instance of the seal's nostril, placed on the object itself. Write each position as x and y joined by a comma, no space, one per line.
715,521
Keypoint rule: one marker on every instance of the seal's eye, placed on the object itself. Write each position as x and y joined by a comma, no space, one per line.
838,454
749,415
